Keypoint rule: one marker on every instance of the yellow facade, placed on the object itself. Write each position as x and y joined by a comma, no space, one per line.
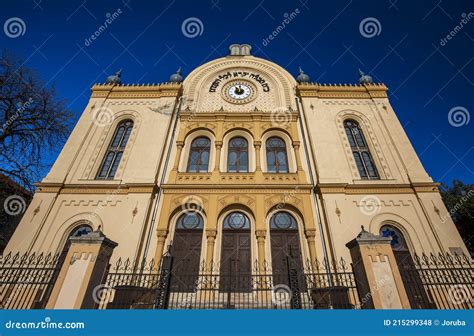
323,190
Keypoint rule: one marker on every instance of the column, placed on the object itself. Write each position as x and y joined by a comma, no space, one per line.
258,146
218,155
160,245
376,271
83,272
179,145
211,240
261,234
310,238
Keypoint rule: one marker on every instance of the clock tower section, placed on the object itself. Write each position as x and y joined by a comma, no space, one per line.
237,149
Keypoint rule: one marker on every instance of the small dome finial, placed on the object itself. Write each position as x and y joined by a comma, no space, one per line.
176,77
115,79
364,79
302,77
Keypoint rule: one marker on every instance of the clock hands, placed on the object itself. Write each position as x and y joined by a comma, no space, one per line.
238,90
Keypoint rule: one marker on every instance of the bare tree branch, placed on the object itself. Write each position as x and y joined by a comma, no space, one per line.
32,121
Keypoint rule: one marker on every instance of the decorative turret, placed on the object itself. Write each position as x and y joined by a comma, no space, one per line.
176,77
115,79
302,77
365,79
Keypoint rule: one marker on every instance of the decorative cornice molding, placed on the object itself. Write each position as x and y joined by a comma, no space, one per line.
344,91
136,91
235,116
360,189
236,189
120,189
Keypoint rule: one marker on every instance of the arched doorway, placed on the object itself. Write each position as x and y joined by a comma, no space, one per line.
186,252
80,230
411,279
285,246
236,265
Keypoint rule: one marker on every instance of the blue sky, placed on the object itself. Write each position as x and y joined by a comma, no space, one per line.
426,77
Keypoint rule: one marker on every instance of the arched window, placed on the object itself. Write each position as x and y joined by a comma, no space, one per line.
80,230
238,155
199,155
237,220
283,221
277,158
360,150
190,221
398,242
115,151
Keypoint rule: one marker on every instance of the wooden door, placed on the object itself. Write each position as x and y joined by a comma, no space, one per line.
186,252
285,247
236,263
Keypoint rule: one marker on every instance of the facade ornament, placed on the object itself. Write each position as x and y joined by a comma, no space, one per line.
176,77
115,79
302,77
365,79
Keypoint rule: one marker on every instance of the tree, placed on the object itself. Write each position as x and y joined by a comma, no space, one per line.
459,199
32,119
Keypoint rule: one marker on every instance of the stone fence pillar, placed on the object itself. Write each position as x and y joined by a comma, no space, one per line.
376,273
83,272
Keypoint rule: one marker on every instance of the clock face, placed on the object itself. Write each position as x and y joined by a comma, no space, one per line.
239,92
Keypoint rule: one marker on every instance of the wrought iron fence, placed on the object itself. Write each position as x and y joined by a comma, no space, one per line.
26,280
442,281
132,285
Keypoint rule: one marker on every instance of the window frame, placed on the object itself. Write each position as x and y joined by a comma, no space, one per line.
238,151
275,152
365,163
199,150
116,148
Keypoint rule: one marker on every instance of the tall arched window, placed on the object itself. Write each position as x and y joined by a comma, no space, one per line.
115,151
199,155
277,158
360,150
238,155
